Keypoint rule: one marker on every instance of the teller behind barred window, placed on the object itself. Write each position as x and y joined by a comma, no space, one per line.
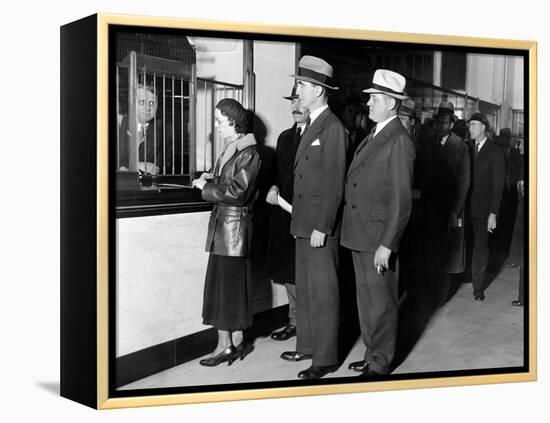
153,136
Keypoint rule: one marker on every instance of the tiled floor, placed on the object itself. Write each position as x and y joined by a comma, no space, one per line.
462,334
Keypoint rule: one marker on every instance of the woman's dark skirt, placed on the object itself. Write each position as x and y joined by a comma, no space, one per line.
227,302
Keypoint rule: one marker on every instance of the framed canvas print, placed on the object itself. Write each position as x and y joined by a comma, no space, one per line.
254,211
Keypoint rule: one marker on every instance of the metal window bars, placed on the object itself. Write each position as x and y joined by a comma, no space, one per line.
156,131
180,138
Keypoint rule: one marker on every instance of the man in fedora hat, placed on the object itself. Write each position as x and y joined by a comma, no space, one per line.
407,116
378,195
445,164
485,196
281,249
319,172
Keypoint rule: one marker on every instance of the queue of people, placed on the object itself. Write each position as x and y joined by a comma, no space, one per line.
333,191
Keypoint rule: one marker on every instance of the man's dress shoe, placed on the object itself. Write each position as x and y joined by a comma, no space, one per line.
317,372
479,297
517,303
295,356
359,366
284,334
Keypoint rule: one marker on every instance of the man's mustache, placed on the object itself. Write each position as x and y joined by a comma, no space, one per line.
297,112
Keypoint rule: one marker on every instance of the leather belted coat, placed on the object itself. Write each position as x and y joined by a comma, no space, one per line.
233,192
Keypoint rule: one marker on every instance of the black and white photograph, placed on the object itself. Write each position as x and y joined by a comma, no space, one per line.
292,211
268,211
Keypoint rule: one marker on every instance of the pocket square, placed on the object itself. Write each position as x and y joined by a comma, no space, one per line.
316,142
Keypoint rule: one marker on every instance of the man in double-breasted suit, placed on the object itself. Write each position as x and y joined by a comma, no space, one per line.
319,172
377,205
486,194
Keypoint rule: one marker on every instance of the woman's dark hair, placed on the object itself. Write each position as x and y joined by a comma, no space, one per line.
236,114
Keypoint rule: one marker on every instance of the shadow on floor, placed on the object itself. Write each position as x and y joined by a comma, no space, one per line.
425,295
51,387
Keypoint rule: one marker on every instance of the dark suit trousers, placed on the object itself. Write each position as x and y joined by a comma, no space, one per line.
378,308
317,301
480,254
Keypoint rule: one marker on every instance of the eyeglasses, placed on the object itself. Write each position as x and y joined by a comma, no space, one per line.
150,103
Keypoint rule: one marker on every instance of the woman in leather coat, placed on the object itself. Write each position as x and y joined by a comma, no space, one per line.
227,302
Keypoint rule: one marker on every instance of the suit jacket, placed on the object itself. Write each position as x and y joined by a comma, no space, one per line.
319,172
282,248
378,193
124,141
487,179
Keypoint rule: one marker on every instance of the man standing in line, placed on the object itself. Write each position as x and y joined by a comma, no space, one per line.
446,180
377,205
319,172
487,186
282,251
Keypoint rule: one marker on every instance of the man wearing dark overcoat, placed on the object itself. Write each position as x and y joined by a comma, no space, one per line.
282,248
486,194
445,163
319,172
377,205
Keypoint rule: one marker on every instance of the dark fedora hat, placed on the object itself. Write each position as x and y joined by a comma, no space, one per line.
446,108
505,132
293,95
480,117
315,70
407,108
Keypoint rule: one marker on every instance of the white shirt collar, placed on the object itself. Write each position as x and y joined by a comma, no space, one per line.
315,114
381,125
444,139
480,143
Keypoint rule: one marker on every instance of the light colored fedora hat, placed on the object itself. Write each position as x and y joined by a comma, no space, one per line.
315,70
388,82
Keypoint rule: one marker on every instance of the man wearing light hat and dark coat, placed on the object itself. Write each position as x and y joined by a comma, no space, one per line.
319,172
485,197
281,249
377,205
445,168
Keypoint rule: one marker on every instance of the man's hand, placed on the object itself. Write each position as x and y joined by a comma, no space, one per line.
206,175
272,195
382,259
148,167
317,239
452,221
491,222
520,188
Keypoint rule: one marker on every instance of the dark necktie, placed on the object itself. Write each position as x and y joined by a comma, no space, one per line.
308,122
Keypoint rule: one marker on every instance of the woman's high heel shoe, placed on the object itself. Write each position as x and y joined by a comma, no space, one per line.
226,355
242,350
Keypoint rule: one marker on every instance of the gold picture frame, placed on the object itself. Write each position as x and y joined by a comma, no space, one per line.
87,303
